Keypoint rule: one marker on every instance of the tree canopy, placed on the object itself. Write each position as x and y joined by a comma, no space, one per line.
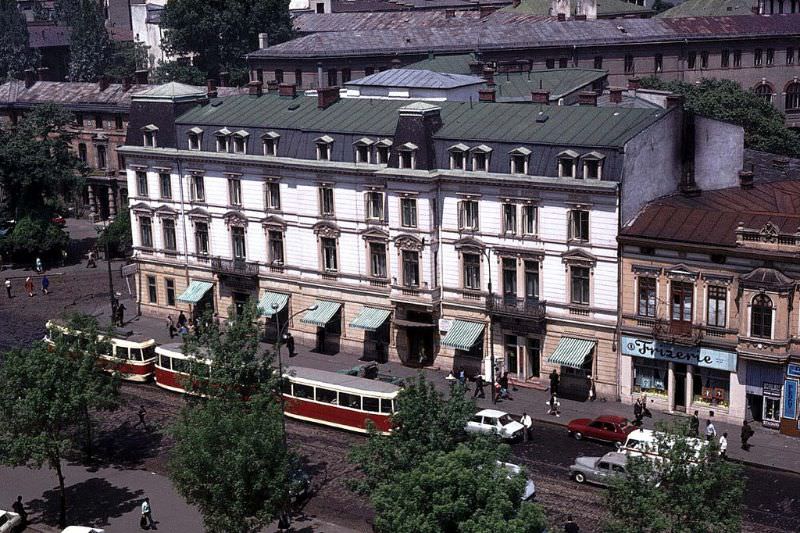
178,71
764,126
90,47
126,57
219,34
118,234
15,52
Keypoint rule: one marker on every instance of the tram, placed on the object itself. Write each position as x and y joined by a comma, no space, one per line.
338,400
133,356
172,367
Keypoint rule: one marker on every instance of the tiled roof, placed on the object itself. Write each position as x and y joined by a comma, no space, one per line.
507,31
605,8
462,121
419,79
713,216
381,20
362,6
710,8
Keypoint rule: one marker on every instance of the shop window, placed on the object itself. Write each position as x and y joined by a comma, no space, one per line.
761,317
717,306
512,365
711,387
647,297
650,376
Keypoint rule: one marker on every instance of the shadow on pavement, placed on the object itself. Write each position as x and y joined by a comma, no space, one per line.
95,501
125,447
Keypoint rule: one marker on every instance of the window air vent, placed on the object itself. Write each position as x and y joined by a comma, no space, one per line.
542,118
216,103
294,107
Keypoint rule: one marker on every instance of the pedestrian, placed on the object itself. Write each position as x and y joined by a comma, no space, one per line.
29,286
171,326
63,258
39,265
554,380
91,262
19,508
711,431
284,522
181,319
146,521
747,432
526,421
120,314
289,340
8,288
140,413
553,406
590,384
462,377
479,384
638,413
45,285
570,526
504,388
694,425
723,445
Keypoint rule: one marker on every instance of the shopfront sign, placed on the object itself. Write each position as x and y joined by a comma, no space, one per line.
690,355
793,371
790,399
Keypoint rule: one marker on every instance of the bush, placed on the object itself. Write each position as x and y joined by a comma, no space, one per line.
32,238
118,235
180,72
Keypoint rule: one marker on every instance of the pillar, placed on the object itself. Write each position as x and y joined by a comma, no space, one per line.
112,201
92,207
689,386
671,386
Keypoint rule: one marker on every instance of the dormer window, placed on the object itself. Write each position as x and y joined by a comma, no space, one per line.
269,142
195,138
593,166
149,135
458,156
363,150
223,140
566,164
382,151
407,156
480,158
518,160
240,142
324,145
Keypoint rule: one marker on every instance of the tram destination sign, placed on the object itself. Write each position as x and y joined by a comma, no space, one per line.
690,355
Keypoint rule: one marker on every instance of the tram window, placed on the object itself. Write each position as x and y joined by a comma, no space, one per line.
149,352
163,362
371,404
286,387
386,406
180,365
353,401
326,396
303,391
136,354
121,352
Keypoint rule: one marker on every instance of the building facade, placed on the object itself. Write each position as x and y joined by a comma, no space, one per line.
708,317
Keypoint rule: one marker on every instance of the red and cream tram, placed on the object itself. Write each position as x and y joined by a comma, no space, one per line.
338,400
133,356
172,367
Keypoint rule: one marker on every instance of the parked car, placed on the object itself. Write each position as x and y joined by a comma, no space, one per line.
513,470
9,521
82,529
58,220
645,442
491,421
605,428
599,470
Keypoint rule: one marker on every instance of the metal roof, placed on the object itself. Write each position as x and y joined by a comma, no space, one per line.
381,20
359,6
605,8
453,63
558,82
340,380
710,8
417,79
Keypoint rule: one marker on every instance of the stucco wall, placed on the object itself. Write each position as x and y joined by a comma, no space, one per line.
719,153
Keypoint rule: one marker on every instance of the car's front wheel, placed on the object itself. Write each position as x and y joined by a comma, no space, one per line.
578,435
579,477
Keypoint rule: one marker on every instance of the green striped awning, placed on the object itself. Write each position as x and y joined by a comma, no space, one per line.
194,292
269,298
463,334
571,352
322,314
370,318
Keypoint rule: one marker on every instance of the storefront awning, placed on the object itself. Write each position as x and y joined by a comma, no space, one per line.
267,301
463,334
195,292
322,313
571,352
370,318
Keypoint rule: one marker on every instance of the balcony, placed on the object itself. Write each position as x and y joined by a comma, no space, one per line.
234,267
519,307
677,332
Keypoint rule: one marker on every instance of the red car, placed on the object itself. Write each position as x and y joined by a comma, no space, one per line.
58,220
605,428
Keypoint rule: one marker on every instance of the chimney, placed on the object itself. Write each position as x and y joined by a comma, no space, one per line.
674,100
634,84
746,179
327,96
476,67
42,73
223,79
587,98
141,77
581,16
254,88
615,95
540,96
263,40
211,87
486,95
396,63
562,17
755,10
488,75
272,86
287,89
126,84
103,83
30,78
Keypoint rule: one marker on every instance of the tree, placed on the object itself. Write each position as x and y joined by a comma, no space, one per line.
219,34
764,126
178,71
117,235
89,44
15,52
687,491
37,164
126,58
32,238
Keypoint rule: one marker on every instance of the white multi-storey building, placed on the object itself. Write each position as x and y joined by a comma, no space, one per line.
433,234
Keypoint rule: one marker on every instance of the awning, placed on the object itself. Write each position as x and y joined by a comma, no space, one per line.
571,352
463,334
195,292
322,314
269,298
370,318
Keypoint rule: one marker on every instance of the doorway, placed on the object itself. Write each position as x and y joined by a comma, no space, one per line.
534,357
680,387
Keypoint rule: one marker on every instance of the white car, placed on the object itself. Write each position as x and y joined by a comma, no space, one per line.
83,529
9,521
513,470
491,421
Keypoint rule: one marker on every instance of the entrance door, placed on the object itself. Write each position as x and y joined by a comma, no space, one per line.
680,387
512,366
534,357
239,301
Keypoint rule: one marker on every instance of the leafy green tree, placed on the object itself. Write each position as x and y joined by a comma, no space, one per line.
685,492
180,72
465,490
764,126
126,58
32,238
15,52
37,164
219,34
89,46
117,235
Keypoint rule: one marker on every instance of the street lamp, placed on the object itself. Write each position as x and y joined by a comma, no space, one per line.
485,253
102,230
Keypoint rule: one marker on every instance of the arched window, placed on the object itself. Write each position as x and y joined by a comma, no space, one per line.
761,317
764,91
793,95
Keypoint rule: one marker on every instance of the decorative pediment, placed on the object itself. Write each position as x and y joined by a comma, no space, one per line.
681,272
166,211
594,156
142,208
235,218
525,253
767,279
375,234
198,214
481,148
646,270
770,232
469,242
274,222
578,256
409,242
224,132
568,154
326,229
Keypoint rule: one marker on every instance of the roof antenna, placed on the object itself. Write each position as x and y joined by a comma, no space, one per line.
470,101
540,83
529,74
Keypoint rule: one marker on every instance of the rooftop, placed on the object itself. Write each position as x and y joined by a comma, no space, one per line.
361,6
452,63
710,8
605,8
417,79
380,20
558,82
